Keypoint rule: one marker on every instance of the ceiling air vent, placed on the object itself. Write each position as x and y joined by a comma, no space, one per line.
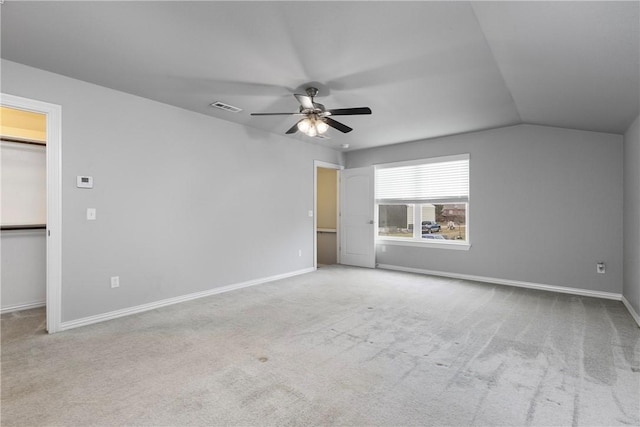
226,107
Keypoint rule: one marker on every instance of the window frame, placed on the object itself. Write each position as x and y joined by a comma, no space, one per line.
417,211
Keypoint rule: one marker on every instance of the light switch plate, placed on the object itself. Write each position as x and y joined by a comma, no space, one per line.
91,214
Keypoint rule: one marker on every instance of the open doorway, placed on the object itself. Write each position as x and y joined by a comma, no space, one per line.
52,222
23,146
327,178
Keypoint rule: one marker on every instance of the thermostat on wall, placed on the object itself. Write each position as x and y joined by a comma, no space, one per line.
84,182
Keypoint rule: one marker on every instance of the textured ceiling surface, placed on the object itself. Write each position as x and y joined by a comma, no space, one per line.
426,69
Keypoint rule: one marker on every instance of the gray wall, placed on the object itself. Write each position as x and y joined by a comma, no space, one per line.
631,289
545,206
23,268
185,202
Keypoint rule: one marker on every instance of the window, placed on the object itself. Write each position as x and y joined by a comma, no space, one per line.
432,193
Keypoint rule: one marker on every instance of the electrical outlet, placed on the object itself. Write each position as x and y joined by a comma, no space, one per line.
600,268
299,252
115,282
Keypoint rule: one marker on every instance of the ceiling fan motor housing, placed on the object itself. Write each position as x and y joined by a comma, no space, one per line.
312,91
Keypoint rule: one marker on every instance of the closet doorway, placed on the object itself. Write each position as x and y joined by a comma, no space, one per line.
23,144
31,166
327,214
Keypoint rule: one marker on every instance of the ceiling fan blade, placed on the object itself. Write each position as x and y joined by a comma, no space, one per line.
349,111
277,114
293,129
305,101
337,125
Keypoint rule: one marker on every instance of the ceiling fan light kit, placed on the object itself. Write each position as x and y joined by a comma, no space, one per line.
316,120
312,126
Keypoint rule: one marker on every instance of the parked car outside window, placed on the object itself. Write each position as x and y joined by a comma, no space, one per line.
430,227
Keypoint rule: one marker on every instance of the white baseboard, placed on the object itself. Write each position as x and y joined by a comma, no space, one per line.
519,284
170,301
633,313
20,307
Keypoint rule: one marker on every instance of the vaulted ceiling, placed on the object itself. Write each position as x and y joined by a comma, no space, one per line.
426,69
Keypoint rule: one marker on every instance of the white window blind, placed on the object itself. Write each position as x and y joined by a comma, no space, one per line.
442,180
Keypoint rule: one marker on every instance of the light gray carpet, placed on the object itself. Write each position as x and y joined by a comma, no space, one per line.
341,346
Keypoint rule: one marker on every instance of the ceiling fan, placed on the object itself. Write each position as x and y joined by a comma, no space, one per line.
317,120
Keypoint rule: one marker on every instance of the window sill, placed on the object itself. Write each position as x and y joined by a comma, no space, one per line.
459,246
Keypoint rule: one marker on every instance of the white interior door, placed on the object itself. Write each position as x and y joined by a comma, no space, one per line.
357,237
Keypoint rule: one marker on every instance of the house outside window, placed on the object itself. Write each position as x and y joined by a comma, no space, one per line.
424,202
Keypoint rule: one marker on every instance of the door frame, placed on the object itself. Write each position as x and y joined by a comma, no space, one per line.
53,115
325,165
